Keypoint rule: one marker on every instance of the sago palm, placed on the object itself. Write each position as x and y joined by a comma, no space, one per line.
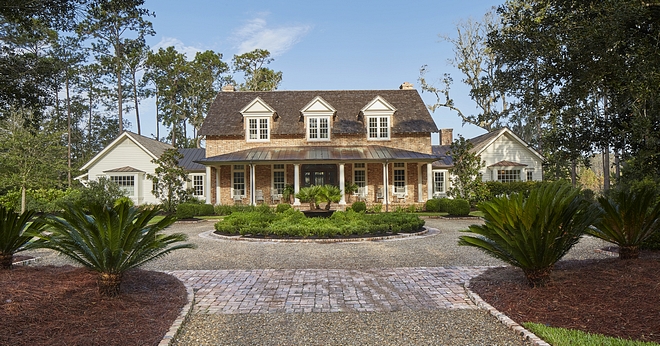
110,240
329,194
16,231
533,232
628,219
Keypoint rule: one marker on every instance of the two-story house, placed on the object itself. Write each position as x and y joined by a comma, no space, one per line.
259,142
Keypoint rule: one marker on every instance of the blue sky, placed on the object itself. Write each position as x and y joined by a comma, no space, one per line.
326,45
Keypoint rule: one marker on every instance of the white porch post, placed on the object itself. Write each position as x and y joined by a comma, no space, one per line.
386,193
207,187
296,183
420,198
252,187
341,184
429,180
217,186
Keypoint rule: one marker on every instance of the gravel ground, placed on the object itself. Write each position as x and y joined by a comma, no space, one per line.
438,327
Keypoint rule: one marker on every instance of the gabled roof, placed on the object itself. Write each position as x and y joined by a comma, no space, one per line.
313,153
505,163
479,144
150,146
224,117
127,169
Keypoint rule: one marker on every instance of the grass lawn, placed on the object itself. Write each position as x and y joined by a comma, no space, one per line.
561,337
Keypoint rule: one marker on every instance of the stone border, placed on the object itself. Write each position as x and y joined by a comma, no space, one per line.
211,235
183,316
504,319
27,262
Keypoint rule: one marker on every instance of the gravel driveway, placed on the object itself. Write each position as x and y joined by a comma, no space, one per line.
429,327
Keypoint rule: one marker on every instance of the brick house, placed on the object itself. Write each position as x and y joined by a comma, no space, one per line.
259,142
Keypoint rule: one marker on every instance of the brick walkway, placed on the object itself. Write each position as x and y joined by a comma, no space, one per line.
324,290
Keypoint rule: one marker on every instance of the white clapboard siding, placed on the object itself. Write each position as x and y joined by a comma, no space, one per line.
506,148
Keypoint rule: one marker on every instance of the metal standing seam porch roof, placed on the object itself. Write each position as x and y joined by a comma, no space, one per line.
301,153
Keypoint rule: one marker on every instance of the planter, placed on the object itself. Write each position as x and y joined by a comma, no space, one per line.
318,213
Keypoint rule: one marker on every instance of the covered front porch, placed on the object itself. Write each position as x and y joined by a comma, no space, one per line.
260,175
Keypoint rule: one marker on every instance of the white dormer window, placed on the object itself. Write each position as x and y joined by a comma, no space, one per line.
257,116
318,119
378,117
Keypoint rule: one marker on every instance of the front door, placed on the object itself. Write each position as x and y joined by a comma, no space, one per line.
319,175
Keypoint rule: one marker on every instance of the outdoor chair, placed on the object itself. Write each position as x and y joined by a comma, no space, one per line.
259,196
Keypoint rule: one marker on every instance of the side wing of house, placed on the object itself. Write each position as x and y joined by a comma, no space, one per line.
127,164
509,159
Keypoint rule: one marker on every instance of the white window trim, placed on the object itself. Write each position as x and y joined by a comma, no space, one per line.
405,176
366,175
135,182
192,184
272,176
444,182
318,117
378,127
497,175
244,170
247,128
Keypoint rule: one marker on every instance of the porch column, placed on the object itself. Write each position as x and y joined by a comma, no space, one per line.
252,184
207,187
429,180
296,183
217,185
420,198
386,193
342,201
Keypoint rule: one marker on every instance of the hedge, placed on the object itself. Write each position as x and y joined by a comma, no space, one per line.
458,207
293,223
190,210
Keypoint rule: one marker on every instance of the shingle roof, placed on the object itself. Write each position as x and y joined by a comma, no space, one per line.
225,119
157,148
190,155
288,154
445,160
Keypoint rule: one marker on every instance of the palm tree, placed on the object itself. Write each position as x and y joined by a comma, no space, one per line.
533,232
16,231
329,194
309,195
628,219
110,240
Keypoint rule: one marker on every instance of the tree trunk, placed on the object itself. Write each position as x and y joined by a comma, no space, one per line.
119,95
573,173
628,252
6,260
137,110
537,277
157,120
23,199
68,129
109,284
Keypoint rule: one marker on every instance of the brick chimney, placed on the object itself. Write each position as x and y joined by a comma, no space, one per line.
446,136
406,86
228,88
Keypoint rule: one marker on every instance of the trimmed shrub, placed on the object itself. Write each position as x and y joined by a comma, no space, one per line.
444,204
497,188
432,205
205,209
223,210
282,207
359,207
458,207
185,211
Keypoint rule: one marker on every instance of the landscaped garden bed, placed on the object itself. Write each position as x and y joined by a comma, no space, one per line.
293,224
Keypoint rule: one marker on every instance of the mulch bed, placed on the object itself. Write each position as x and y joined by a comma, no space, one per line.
61,306
618,298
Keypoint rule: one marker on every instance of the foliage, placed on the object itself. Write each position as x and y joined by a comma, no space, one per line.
458,207
293,223
628,218
310,194
289,190
350,188
562,336
257,76
110,240
329,194
533,232
376,208
223,209
189,210
102,191
496,188
437,205
466,181
359,207
282,207
169,180
16,230
479,66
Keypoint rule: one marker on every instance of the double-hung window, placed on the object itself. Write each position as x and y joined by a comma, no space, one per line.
198,185
379,127
508,175
438,182
238,181
278,178
258,129
359,174
399,175
318,128
126,183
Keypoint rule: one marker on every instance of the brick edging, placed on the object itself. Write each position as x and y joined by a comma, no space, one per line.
504,319
211,234
183,316
27,261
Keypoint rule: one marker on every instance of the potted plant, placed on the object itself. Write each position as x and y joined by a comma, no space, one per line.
350,189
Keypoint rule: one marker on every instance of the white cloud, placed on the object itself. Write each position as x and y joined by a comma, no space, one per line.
189,51
256,34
